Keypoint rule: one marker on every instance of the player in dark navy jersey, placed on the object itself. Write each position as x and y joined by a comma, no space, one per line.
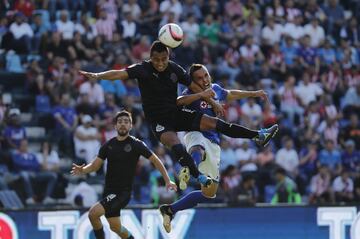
122,154
203,146
158,79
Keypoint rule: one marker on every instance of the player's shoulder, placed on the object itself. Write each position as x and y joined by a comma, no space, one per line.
135,140
175,66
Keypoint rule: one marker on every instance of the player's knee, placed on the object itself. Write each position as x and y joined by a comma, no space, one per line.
93,214
114,227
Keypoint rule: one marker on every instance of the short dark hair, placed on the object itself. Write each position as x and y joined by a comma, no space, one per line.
195,67
122,113
158,47
280,171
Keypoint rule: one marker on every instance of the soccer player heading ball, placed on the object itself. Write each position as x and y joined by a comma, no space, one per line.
158,79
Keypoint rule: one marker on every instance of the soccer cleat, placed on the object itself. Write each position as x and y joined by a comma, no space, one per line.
167,216
265,135
184,177
204,180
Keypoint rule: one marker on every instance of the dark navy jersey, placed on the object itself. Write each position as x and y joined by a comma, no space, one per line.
158,89
122,157
204,107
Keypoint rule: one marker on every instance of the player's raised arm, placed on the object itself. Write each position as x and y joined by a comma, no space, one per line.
239,94
160,166
84,169
106,75
188,99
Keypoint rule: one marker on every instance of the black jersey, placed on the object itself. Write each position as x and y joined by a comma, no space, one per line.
158,89
122,158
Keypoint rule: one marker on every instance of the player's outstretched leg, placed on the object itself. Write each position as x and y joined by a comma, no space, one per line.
262,136
188,201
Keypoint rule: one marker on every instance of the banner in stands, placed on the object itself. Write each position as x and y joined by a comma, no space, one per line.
249,223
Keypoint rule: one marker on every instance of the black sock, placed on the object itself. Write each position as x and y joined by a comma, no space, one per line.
185,159
235,130
99,233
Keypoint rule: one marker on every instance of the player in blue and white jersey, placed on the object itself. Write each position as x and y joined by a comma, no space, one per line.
203,146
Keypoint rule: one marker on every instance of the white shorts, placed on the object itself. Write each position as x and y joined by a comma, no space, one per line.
210,166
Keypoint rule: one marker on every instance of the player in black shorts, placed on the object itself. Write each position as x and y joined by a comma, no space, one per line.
158,79
122,153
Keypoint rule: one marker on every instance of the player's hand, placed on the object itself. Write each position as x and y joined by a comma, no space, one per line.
171,186
218,109
263,95
77,169
207,94
89,75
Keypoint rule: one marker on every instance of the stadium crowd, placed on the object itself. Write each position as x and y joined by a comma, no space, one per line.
304,54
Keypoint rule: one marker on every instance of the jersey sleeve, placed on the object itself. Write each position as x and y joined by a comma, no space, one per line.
103,151
135,71
144,149
183,76
221,92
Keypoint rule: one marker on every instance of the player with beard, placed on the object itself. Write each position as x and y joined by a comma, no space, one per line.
158,80
122,153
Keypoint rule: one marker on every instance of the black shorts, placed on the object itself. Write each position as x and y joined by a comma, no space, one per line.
179,120
114,202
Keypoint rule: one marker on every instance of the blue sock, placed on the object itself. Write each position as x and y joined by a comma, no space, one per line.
197,156
188,201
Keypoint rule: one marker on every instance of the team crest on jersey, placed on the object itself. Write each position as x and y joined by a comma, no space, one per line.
173,77
203,105
159,128
127,148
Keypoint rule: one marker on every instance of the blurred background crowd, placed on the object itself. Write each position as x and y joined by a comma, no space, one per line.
304,53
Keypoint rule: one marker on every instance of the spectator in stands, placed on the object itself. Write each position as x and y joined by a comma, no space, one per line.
109,107
129,27
350,158
289,51
190,28
133,7
245,193
210,29
14,132
308,163
290,104
141,50
230,179
293,28
286,189
65,26
351,100
191,8
330,157
271,33
48,157
315,31
351,131
171,6
327,53
246,157
86,140
86,29
307,91
334,17
251,55
251,113
276,11
93,89
351,32
66,122
105,25
40,31
288,158
233,8
21,34
28,167
26,7
343,187
320,187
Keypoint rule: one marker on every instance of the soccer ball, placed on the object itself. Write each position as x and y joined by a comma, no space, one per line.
171,35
